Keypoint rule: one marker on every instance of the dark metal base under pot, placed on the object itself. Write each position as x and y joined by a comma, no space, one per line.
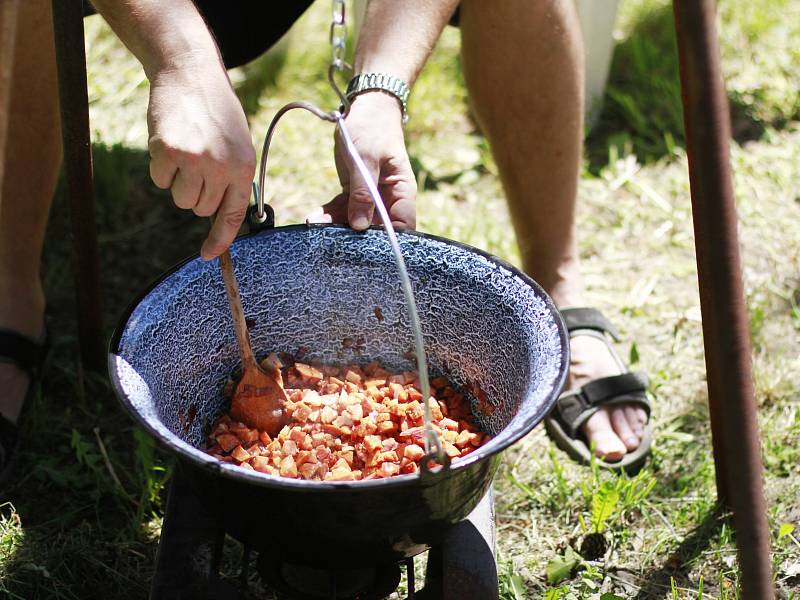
190,551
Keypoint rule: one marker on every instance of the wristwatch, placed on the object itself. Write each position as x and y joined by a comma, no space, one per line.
390,84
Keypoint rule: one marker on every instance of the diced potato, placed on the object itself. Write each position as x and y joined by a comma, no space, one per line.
289,448
308,470
387,427
246,466
328,415
389,468
304,456
463,439
449,436
349,424
240,454
352,377
372,443
413,452
449,424
288,467
301,412
389,444
260,464
450,450
356,412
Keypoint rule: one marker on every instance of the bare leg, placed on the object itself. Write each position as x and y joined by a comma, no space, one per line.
523,64
33,153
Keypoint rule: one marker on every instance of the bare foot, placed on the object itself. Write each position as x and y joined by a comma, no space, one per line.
613,430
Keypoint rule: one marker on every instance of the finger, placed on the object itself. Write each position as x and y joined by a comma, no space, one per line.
318,216
162,172
599,432
620,424
210,197
186,188
230,215
400,197
337,208
633,420
360,206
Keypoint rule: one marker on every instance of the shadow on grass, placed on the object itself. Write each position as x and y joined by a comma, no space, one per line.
657,581
88,485
642,111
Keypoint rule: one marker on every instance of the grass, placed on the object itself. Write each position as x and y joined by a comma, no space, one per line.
83,517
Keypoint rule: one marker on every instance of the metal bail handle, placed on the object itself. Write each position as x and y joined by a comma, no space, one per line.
434,452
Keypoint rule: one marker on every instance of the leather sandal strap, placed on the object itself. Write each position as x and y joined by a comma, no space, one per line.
588,318
21,350
573,409
9,436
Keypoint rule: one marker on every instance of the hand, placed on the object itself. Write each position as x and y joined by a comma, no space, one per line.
200,148
375,125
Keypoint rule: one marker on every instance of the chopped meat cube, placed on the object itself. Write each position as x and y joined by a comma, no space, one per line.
348,424
308,373
227,441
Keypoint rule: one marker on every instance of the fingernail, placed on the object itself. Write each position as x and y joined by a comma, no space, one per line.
632,441
360,223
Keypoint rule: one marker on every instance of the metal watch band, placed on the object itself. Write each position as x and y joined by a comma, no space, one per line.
364,82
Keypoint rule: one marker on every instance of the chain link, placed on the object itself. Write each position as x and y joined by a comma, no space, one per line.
338,36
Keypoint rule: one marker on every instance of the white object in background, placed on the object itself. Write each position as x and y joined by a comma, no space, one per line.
597,18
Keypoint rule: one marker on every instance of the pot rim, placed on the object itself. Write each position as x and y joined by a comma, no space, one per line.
210,463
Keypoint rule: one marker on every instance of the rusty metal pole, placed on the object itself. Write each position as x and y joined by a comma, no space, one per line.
725,323
72,86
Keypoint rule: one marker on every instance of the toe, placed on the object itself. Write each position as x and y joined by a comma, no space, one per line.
598,431
635,421
619,422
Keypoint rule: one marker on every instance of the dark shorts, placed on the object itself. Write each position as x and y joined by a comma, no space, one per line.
245,29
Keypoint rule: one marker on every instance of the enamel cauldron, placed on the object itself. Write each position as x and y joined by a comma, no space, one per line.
333,295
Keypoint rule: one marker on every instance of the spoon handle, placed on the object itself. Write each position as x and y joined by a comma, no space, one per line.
237,312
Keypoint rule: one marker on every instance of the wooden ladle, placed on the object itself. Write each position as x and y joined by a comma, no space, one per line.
259,400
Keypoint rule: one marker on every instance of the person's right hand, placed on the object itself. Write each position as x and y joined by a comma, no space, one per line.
200,148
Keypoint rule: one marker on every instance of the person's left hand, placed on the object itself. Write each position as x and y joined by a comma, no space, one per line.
375,125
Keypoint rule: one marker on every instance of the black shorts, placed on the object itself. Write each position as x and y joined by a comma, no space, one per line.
245,29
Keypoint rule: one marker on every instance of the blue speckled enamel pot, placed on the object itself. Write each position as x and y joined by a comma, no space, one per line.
333,295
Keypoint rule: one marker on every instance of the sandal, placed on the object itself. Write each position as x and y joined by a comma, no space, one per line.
573,408
28,355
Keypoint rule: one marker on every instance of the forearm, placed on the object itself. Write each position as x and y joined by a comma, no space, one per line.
398,35
162,35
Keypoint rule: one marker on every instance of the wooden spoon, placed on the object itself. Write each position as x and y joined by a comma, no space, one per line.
259,400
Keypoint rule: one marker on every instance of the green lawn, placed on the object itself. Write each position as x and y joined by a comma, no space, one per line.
72,529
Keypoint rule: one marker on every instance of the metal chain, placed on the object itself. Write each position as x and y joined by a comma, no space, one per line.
338,36
338,39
